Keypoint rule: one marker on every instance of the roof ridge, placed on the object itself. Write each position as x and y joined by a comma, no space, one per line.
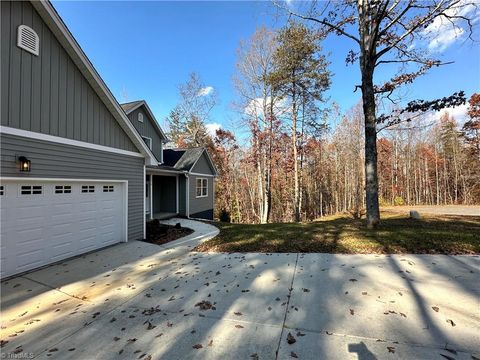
131,102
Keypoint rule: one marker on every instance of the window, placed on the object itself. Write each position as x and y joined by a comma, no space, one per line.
88,188
148,141
140,117
63,189
202,187
31,189
2,189
108,188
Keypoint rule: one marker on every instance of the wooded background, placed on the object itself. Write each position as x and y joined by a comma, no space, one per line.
298,158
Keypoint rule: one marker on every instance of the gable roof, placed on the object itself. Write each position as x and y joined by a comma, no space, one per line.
50,16
130,106
134,105
185,159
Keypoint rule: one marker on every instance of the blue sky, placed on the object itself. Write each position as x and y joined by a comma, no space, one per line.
143,50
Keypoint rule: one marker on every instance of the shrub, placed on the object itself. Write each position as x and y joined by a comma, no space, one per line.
398,201
224,216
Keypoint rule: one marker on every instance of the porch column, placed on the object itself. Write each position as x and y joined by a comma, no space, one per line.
151,196
176,194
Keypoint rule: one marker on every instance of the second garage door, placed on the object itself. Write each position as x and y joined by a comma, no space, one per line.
47,221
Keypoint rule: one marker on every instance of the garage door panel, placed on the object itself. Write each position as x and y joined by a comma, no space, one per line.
37,229
27,258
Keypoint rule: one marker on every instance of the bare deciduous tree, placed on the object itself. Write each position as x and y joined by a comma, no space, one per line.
388,32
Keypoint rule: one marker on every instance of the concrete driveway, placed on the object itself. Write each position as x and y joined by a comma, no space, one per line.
142,301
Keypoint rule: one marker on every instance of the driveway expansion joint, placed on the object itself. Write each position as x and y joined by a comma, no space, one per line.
288,304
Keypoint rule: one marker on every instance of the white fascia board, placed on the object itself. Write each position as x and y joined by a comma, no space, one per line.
161,171
65,141
66,39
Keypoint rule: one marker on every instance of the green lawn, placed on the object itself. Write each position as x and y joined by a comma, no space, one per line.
341,234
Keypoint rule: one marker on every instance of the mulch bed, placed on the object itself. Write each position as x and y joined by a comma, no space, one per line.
159,234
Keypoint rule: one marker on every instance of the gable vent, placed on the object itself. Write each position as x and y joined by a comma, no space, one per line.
28,39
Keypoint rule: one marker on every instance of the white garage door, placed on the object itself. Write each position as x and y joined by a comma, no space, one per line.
45,221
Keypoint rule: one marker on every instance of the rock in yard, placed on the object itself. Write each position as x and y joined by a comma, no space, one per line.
415,215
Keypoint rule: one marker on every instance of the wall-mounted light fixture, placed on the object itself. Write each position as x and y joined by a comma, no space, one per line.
25,164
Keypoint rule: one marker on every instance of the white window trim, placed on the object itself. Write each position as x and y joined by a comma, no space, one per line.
206,187
65,141
150,143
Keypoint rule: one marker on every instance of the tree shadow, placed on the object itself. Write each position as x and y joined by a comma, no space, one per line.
362,351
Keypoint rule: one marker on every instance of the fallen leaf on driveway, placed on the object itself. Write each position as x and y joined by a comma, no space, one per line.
116,338
3,343
306,290
239,326
391,349
292,354
352,280
149,325
197,346
254,356
352,312
299,333
450,321
210,343
436,308
290,339
238,313
204,305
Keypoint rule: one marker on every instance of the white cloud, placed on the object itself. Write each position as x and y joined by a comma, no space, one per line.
205,91
443,32
255,107
444,38
212,128
458,112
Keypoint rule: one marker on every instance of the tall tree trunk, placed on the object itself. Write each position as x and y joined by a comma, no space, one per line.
296,182
367,66
371,181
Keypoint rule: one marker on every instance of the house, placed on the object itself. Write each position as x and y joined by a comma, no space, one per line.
78,170
182,183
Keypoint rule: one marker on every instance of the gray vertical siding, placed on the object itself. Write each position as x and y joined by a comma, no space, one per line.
51,160
146,128
203,166
198,205
48,93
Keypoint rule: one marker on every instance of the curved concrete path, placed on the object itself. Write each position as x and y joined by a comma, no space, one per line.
201,232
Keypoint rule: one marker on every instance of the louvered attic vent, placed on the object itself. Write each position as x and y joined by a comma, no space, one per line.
28,39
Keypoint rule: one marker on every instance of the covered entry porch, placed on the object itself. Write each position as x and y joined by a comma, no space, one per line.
162,195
